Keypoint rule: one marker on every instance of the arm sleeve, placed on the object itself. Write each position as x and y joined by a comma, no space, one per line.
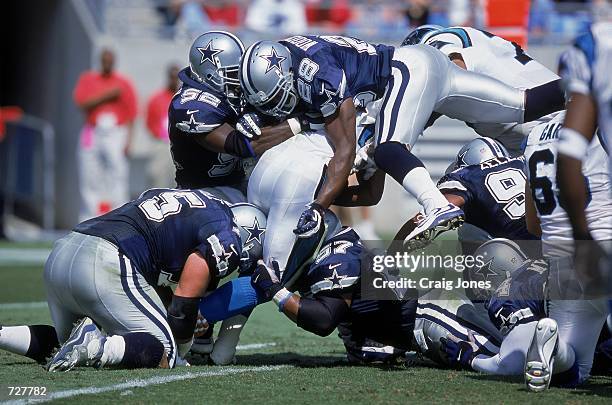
321,315
222,252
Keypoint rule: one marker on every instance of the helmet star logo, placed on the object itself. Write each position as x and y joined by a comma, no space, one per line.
274,61
485,270
460,159
335,279
209,53
255,232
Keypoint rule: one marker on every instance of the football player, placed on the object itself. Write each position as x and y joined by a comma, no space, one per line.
108,271
482,52
332,76
211,135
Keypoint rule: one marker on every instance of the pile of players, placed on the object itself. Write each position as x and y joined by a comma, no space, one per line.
266,139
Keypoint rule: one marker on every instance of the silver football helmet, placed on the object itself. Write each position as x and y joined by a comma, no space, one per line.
214,59
420,34
266,76
498,258
479,150
252,223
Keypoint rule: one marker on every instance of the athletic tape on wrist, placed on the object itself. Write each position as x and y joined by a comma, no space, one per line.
572,143
295,126
281,297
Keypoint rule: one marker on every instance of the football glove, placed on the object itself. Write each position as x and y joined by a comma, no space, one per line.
459,353
310,221
266,280
249,125
364,161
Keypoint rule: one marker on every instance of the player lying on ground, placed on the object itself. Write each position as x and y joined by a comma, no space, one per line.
332,76
326,295
106,271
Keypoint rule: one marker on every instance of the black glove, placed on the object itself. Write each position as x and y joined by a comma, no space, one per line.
459,354
266,280
310,221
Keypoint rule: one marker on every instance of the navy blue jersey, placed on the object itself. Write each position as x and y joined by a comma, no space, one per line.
329,69
197,110
521,298
494,194
337,268
159,230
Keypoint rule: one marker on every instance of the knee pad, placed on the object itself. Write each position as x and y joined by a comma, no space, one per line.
395,159
142,350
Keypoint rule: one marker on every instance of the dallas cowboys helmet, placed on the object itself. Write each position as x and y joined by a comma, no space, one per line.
266,76
214,59
499,257
420,34
479,150
251,222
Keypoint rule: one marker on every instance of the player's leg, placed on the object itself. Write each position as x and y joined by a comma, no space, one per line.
408,103
36,342
115,298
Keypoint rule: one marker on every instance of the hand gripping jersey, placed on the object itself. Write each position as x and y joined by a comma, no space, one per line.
329,69
541,160
521,298
159,230
197,110
494,194
586,70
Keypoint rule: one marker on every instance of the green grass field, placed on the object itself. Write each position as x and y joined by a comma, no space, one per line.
292,366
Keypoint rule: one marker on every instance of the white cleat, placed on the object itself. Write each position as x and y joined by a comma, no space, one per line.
84,347
436,222
541,354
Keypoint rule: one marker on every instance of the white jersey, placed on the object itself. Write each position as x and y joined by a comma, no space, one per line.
500,59
541,158
586,69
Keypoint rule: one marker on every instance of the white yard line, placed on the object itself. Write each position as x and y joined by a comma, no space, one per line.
140,383
253,346
23,305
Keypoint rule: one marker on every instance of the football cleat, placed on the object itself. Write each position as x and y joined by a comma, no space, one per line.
84,347
540,356
436,222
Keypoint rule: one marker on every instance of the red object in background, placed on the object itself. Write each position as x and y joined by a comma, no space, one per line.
508,19
338,13
229,15
92,84
157,113
8,114
104,207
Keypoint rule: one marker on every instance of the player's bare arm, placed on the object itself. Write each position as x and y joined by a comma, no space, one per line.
531,213
361,192
341,131
271,136
580,120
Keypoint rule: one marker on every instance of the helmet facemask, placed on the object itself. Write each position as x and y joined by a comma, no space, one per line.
281,102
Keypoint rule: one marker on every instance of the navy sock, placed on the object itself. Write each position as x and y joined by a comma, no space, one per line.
142,350
396,160
544,99
43,340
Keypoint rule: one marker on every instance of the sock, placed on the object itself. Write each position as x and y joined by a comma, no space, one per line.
114,350
134,350
229,335
543,100
36,341
232,298
396,160
419,183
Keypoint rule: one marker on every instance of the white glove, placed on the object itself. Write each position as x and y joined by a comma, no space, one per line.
364,161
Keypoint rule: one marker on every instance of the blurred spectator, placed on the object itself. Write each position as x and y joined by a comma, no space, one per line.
193,18
459,13
331,15
108,101
417,12
223,13
280,17
391,23
161,168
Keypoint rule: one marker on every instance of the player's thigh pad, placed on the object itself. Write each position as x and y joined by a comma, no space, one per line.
411,95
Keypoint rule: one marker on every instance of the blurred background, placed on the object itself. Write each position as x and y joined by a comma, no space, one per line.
48,45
